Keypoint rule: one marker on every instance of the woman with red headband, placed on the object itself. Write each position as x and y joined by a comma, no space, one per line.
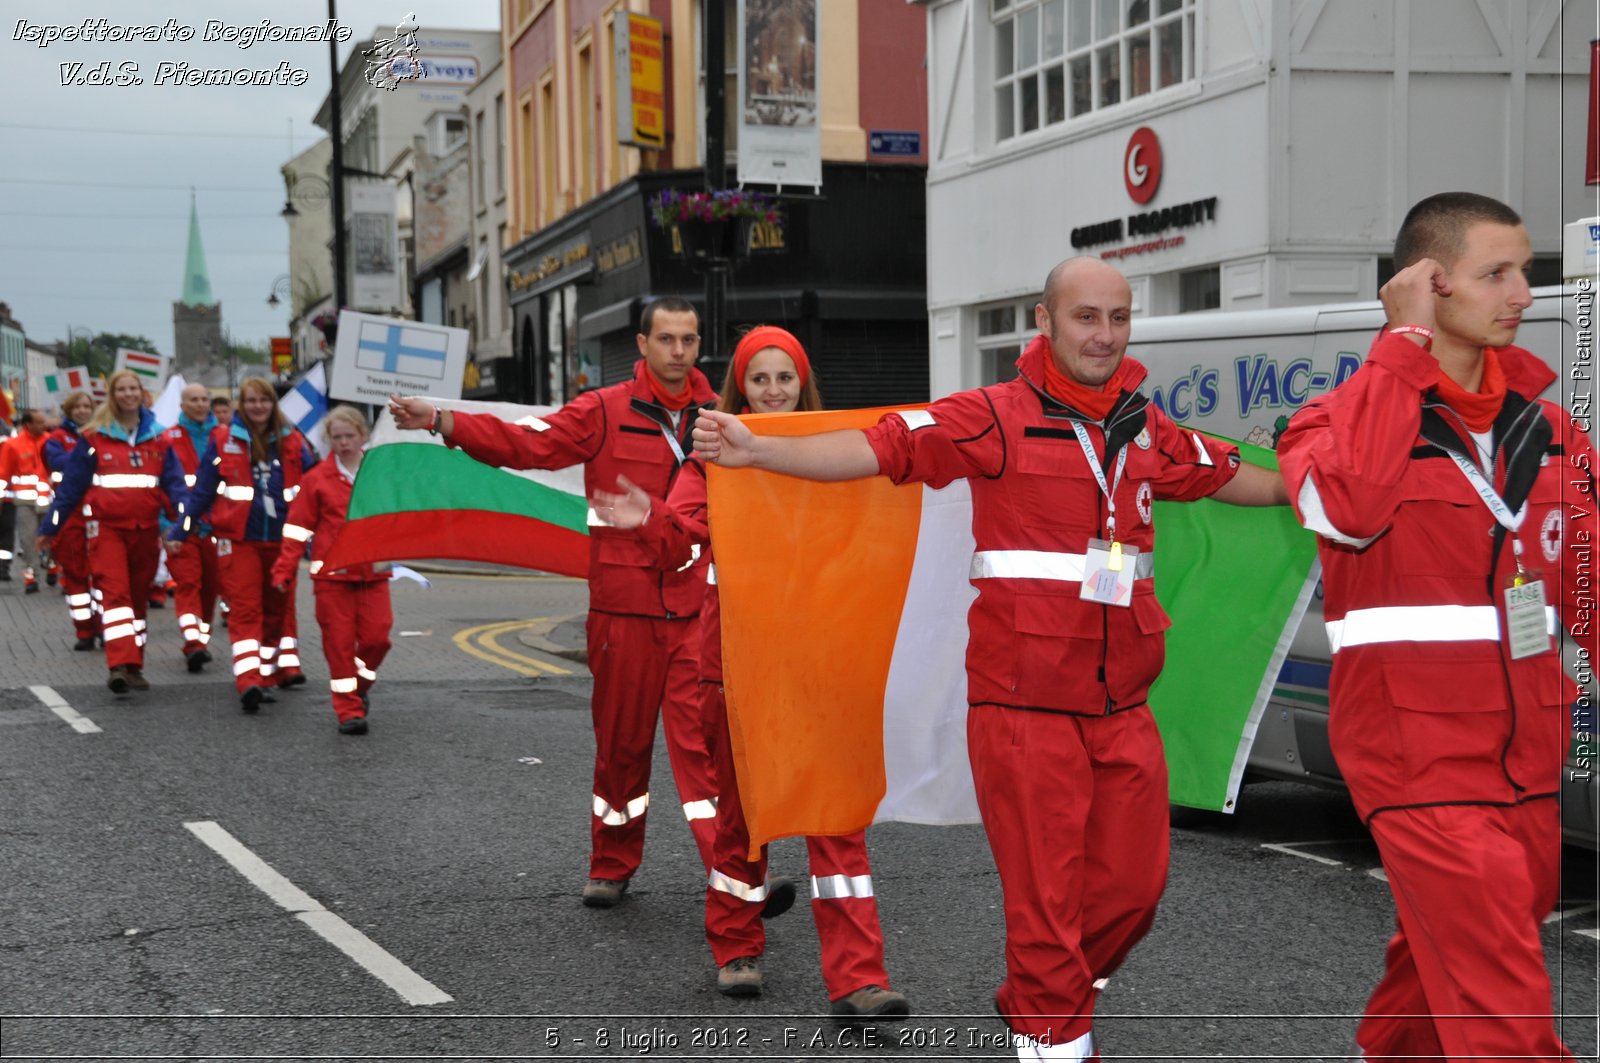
770,373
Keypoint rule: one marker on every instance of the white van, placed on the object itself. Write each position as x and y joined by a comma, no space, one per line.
1243,374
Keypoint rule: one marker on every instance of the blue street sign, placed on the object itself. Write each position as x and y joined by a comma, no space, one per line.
894,142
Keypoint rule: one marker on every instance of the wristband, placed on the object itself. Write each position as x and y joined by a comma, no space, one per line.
1415,330
433,426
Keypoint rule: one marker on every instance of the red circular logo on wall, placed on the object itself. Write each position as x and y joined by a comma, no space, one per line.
1141,165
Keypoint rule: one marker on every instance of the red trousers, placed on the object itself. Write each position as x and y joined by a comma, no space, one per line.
1075,808
645,668
355,617
1464,977
123,562
71,551
842,900
257,612
195,569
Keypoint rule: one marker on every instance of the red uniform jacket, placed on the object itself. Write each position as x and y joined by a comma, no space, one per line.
227,490
122,482
679,535
1033,642
1422,713
318,514
23,476
616,430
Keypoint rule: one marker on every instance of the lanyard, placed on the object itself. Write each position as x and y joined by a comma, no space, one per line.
672,441
1100,477
1496,505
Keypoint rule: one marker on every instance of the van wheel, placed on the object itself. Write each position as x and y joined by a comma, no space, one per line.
1182,817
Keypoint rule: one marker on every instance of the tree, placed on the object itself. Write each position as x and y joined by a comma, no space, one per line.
100,353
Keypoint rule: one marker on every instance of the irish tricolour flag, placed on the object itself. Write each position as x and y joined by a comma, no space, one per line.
415,498
58,384
844,636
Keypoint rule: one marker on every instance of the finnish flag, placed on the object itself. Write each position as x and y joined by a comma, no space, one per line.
306,404
412,349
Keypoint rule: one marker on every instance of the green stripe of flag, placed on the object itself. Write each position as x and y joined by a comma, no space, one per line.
419,477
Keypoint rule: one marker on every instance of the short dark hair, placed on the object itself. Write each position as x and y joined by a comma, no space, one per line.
670,304
220,400
1437,227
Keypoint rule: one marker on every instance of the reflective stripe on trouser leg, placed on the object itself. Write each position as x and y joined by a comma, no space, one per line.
1079,1048
733,923
683,719
620,817
194,568
121,560
288,653
241,577
374,617
846,913
336,617
71,552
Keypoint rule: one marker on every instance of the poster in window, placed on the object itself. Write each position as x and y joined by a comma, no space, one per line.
780,129
374,254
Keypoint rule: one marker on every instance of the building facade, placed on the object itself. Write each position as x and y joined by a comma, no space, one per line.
308,211
489,315
13,358
1227,154
846,269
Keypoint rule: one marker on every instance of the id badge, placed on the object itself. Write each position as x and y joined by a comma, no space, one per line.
91,529
224,547
1108,573
1527,634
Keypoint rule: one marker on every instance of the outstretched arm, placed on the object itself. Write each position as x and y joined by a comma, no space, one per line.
827,456
1254,485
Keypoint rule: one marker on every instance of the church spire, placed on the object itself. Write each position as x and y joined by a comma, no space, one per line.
196,281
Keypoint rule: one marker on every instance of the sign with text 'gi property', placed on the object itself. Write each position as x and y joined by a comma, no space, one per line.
381,356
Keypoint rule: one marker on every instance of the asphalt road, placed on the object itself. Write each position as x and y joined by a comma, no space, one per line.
413,893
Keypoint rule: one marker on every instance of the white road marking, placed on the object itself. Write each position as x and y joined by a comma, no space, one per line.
412,987
1378,873
1589,933
58,705
1287,848
1566,913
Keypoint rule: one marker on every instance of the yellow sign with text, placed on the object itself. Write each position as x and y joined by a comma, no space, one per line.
641,81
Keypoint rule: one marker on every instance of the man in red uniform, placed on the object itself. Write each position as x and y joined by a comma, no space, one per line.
25,482
194,565
1066,633
640,632
1452,505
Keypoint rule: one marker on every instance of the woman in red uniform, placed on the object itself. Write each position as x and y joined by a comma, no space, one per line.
70,550
770,373
352,603
249,474
124,475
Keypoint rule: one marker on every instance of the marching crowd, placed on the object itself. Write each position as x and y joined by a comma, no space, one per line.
1436,480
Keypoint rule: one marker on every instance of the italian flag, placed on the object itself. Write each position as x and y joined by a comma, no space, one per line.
844,636
415,498
74,379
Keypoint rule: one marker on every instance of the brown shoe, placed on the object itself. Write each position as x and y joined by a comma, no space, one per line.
604,892
136,679
118,680
740,978
872,1002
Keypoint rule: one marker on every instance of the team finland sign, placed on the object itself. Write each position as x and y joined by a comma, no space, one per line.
380,356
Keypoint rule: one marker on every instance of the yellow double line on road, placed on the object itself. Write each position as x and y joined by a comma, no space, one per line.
483,643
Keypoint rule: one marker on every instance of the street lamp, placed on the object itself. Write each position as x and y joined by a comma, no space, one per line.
279,287
307,188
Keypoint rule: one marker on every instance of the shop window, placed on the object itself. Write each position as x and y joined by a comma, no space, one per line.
1200,289
1003,330
1054,60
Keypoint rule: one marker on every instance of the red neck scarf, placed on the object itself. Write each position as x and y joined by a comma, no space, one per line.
666,398
1477,410
1096,402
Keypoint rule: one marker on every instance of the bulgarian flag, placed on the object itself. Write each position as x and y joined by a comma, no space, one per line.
415,498
844,667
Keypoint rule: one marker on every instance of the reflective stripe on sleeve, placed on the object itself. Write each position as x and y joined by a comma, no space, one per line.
1420,623
234,494
1044,564
916,419
1314,518
838,887
296,532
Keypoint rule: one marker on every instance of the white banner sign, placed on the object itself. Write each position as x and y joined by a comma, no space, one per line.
374,246
780,125
376,357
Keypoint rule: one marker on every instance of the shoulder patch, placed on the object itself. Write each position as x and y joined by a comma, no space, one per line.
1142,440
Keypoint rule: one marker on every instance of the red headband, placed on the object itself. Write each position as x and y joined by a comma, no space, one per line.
759,339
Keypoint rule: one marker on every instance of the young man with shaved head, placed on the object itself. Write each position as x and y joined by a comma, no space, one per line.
1066,633
1454,508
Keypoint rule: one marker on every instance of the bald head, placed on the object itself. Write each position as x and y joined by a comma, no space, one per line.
195,401
1079,271
1086,314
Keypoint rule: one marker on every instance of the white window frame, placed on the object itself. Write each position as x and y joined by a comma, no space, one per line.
1006,19
997,351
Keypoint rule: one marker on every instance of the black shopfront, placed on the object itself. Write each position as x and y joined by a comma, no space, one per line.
845,273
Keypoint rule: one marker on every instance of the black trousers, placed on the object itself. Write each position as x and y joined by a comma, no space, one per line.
8,533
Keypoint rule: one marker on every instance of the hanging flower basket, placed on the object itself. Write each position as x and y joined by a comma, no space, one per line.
713,225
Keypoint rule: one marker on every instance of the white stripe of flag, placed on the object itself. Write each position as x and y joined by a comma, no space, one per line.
149,366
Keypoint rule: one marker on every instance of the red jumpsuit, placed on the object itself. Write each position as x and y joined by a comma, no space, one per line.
1066,760
352,603
122,485
194,567
641,634
69,548
842,900
247,503
1451,747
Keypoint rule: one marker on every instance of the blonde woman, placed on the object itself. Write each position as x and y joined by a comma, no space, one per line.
352,603
120,478
249,474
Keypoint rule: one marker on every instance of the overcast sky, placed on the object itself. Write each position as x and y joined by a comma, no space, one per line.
95,208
